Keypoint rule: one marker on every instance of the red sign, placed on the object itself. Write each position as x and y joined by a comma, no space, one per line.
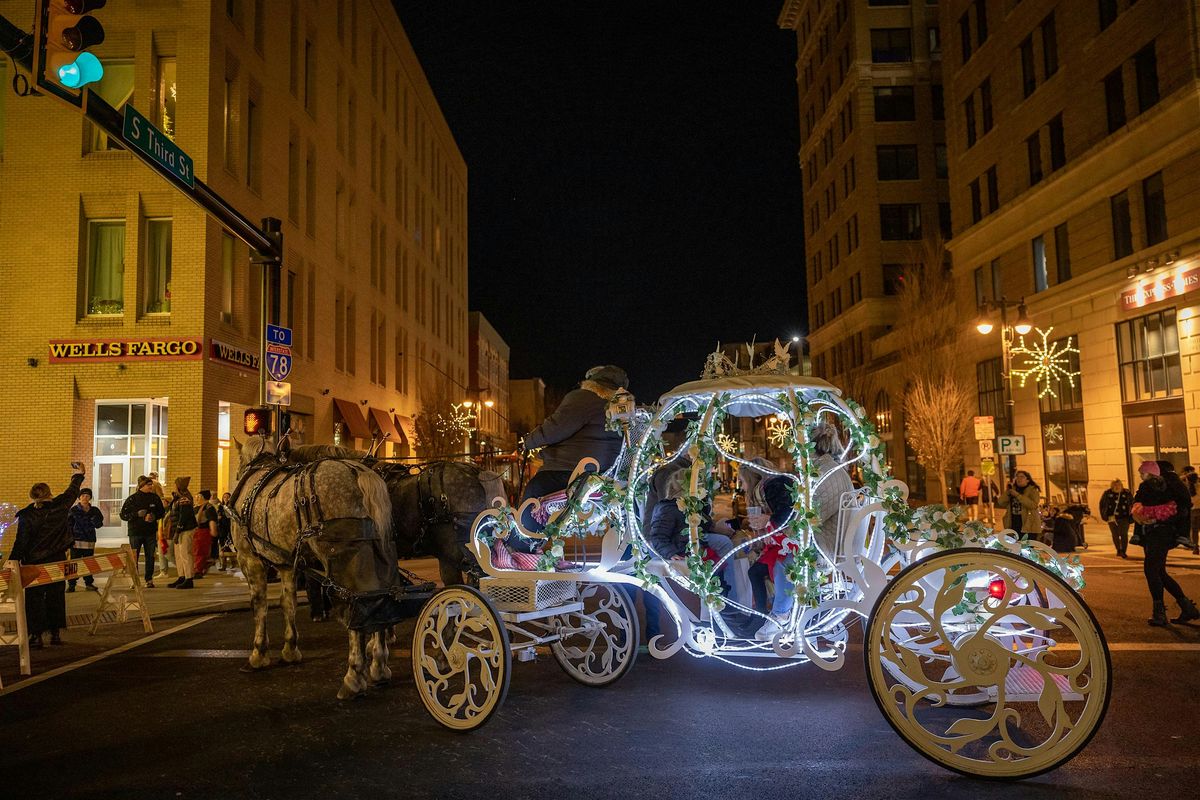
1159,287
76,351
281,349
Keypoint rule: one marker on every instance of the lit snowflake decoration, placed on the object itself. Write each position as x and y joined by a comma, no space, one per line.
727,443
1053,433
1047,362
461,421
779,431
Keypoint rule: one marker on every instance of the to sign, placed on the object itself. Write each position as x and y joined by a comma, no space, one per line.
987,448
279,393
985,427
1011,445
279,365
277,334
155,145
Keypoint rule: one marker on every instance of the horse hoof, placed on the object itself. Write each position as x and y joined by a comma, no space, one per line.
346,693
248,668
291,657
259,660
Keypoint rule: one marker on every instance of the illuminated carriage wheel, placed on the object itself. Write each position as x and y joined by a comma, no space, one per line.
600,643
972,683
461,658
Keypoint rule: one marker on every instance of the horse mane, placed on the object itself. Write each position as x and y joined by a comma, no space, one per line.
307,453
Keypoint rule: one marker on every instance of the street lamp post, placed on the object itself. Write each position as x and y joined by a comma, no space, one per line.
1007,335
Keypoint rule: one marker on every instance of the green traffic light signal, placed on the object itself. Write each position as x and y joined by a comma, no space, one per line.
83,70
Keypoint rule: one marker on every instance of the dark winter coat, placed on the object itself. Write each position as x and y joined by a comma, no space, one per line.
1115,505
183,515
43,535
575,431
1182,521
668,532
84,524
134,509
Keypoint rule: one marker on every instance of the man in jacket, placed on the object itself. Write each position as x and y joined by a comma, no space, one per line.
84,518
142,510
1115,505
968,492
42,538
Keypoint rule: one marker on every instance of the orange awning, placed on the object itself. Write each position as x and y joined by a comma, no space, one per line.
356,423
383,421
409,429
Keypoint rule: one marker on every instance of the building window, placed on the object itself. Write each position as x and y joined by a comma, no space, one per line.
976,201
310,191
227,251
891,45
985,103
310,302
158,266
1028,69
989,376
935,42
1121,225
944,226
293,176
1058,144
105,268
129,439
938,96
289,309
1148,357
893,279
1066,393
229,111
1033,152
1049,46
993,189
997,291
964,35
1066,460
1040,282
1155,204
981,287
1114,99
897,162
1156,437
894,104
941,163
310,76
900,222
165,90
969,116
1062,254
253,146
1108,13
116,89
1145,65
981,22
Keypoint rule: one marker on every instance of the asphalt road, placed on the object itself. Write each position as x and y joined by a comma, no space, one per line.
174,718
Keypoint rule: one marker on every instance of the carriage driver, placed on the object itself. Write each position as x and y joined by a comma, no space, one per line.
573,432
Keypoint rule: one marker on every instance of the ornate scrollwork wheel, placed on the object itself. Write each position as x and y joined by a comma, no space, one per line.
600,643
987,663
461,658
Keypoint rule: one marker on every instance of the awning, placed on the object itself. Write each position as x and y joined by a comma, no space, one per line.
383,421
356,423
409,429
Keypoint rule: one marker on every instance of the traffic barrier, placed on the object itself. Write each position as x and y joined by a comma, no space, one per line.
15,578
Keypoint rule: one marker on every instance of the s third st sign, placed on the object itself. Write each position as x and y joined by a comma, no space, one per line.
140,133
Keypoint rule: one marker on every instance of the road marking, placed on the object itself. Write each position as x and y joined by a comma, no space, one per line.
199,654
1141,647
93,659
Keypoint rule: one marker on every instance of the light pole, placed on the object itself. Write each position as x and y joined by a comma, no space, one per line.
1007,335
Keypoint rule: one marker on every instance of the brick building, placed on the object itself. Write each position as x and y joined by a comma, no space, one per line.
489,384
1075,185
316,113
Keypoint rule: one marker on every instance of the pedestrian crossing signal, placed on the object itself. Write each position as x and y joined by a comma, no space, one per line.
257,422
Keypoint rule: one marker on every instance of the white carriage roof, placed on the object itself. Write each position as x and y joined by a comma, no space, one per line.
739,386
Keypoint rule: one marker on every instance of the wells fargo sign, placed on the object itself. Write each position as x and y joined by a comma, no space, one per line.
232,356
1151,290
80,351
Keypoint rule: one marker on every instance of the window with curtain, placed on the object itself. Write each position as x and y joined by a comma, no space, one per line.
116,87
105,268
1148,357
167,95
158,266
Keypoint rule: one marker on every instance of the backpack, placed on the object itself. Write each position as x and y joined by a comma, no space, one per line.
185,516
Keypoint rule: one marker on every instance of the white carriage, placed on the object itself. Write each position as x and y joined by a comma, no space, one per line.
978,649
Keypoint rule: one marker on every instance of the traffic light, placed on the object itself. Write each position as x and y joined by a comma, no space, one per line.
67,31
257,422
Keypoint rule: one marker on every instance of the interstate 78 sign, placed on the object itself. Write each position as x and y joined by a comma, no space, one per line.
279,365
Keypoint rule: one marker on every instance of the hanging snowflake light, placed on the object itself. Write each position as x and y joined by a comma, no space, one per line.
461,421
779,431
1047,362
1053,432
727,443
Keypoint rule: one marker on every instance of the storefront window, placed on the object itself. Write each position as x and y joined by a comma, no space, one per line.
1148,355
1066,462
130,439
1156,437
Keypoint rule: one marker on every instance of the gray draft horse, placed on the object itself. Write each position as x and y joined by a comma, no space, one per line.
323,503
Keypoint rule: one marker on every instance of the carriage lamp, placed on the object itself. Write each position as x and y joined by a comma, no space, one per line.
997,588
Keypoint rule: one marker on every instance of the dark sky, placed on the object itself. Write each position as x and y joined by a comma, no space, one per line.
633,179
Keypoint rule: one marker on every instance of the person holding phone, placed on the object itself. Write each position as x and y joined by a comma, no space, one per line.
142,510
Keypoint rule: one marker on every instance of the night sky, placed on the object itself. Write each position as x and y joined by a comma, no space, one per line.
633,179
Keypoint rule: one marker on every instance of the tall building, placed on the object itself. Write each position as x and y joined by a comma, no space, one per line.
1075,171
874,167
528,403
489,384
133,318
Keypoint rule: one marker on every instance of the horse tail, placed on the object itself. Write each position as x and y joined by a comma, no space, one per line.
376,501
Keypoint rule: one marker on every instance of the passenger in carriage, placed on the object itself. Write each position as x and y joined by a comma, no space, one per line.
668,532
576,430
777,498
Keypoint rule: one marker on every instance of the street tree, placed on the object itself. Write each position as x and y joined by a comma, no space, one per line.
442,426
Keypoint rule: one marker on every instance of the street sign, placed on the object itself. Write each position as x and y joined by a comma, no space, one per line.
987,467
987,448
282,349
1011,445
279,393
985,427
154,144
277,334
279,365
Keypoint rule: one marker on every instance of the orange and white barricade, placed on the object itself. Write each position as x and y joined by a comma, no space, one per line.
15,578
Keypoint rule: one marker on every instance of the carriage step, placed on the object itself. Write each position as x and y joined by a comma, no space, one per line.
1024,685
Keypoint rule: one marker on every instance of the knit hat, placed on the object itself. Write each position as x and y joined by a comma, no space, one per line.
143,480
608,375
181,483
1150,468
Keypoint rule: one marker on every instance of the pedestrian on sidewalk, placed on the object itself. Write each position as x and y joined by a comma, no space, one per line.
1157,536
968,492
1192,480
225,534
142,510
989,495
164,533
206,533
1024,497
43,537
1115,505
84,518
183,528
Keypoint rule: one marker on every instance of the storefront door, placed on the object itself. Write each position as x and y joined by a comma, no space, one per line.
110,484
